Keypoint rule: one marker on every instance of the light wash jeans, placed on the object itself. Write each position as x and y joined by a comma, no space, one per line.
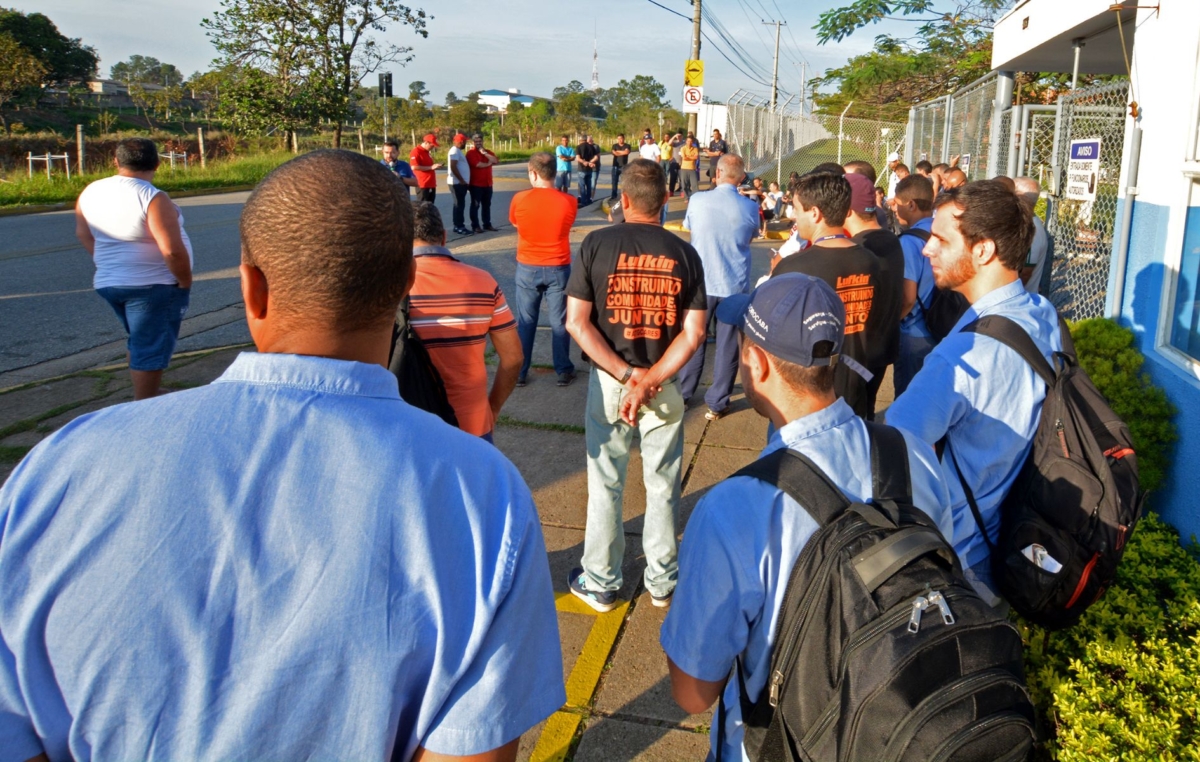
608,438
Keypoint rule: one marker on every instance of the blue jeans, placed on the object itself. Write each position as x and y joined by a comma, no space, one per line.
913,350
587,183
725,365
660,426
616,182
562,181
534,283
151,316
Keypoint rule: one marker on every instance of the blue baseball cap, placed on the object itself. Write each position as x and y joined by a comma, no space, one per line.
788,315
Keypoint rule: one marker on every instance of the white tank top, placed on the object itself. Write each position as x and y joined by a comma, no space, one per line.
126,253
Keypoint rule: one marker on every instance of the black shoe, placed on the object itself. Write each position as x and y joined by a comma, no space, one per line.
565,379
522,380
490,229
476,231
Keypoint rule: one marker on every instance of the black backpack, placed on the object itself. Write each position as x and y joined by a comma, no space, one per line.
1068,516
420,383
945,306
883,650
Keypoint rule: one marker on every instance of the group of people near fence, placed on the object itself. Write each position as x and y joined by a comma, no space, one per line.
294,562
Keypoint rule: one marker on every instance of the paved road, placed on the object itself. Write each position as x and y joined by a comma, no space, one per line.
48,309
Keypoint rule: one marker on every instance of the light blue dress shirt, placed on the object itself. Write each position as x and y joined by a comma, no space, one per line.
565,156
742,542
290,563
987,401
918,270
723,222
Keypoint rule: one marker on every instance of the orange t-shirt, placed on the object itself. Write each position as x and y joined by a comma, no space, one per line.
543,218
453,307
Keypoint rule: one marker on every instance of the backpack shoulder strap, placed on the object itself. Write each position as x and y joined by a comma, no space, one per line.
802,480
1010,334
916,233
889,465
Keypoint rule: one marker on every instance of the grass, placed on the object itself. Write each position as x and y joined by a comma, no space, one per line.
13,454
516,423
819,152
218,174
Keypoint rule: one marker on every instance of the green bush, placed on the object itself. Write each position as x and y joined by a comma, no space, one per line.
1123,683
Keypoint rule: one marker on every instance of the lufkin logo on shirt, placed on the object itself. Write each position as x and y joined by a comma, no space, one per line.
642,298
857,293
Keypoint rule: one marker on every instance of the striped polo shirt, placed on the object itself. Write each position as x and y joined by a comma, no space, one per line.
453,307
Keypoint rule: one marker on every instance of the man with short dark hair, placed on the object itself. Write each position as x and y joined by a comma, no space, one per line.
564,154
290,562
143,257
401,169
821,203
636,306
543,216
587,154
673,171
425,168
454,309
973,391
913,207
745,536
620,157
924,168
481,160
717,147
723,223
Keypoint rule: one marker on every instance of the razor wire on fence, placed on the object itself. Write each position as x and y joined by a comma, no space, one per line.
1083,216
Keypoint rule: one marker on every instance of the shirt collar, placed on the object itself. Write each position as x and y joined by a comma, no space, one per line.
318,374
925,223
996,296
810,425
432,251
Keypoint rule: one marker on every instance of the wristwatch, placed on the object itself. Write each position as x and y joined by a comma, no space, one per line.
628,374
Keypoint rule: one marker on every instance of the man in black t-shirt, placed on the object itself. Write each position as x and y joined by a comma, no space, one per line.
636,306
620,157
864,230
821,203
717,148
587,155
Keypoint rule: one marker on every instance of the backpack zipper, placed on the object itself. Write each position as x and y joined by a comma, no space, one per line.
995,720
1062,437
1083,579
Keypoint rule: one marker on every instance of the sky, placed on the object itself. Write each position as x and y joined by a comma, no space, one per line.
531,45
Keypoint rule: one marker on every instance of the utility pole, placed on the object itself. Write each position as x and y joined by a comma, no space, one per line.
775,67
803,87
693,119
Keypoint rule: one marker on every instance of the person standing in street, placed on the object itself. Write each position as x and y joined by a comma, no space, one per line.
717,147
290,562
723,222
649,151
587,154
636,307
913,207
425,168
481,160
689,166
673,170
401,169
459,179
620,157
666,154
564,156
543,216
134,234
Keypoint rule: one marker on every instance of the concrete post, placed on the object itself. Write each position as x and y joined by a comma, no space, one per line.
910,150
200,140
79,146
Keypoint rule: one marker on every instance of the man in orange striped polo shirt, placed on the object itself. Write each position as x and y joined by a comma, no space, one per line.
454,308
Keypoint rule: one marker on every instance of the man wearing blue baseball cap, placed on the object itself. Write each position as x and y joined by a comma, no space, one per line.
745,535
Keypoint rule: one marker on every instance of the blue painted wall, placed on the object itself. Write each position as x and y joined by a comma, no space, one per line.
1179,500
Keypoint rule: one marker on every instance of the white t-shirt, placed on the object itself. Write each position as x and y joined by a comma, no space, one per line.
1037,255
650,151
126,254
458,158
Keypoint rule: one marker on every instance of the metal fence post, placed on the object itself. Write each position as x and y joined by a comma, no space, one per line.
910,141
1016,138
841,132
946,130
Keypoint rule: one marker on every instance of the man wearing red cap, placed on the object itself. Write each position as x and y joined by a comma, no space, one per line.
459,180
424,168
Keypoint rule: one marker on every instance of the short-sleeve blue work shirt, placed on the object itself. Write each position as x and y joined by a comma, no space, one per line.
289,563
723,222
565,157
987,401
918,270
742,542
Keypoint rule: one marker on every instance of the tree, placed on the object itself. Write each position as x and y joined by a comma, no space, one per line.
19,70
63,59
146,70
452,99
417,91
575,103
323,47
466,116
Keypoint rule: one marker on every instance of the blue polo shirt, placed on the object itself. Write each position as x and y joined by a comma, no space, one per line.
565,155
723,222
918,270
744,538
289,563
399,169
986,401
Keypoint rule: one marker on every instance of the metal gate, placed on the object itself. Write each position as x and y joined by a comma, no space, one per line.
1083,230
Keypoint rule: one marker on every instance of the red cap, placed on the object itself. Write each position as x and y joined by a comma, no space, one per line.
460,138
862,193
430,138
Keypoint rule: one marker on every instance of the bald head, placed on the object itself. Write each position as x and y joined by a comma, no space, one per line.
954,178
1028,189
332,233
732,168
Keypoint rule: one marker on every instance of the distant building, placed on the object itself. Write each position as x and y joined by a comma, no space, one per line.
116,87
497,101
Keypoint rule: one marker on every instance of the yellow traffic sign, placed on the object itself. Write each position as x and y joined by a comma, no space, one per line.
693,74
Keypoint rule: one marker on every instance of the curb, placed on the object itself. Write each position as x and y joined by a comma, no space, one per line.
16,211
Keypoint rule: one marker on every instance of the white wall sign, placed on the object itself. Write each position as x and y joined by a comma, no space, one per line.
692,98
1083,169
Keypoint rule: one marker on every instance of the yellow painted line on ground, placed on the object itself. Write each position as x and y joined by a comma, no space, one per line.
555,740
586,674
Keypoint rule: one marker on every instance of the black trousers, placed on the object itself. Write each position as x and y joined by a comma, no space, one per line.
481,198
672,177
426,194
616,180
460,204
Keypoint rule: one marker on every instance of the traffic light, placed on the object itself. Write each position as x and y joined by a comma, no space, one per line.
385,84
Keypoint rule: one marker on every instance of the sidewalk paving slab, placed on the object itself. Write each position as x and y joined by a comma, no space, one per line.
34,401
607,740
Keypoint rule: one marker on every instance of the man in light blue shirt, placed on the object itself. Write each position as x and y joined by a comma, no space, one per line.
564,156
745,535
913,207
290,563
974,391
723,222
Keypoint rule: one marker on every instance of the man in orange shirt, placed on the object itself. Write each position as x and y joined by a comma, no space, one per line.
543,217
424,167
454,308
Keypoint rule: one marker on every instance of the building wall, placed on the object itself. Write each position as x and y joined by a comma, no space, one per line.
1165,232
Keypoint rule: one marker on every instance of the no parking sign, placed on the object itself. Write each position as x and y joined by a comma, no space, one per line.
692,98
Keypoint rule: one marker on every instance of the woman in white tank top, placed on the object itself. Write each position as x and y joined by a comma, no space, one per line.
143,258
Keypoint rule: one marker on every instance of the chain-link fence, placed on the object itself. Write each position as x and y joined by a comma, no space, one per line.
928,127
1004,144
1083,215
1039,147
971,125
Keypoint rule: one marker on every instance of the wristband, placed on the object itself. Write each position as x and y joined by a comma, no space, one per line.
628,374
